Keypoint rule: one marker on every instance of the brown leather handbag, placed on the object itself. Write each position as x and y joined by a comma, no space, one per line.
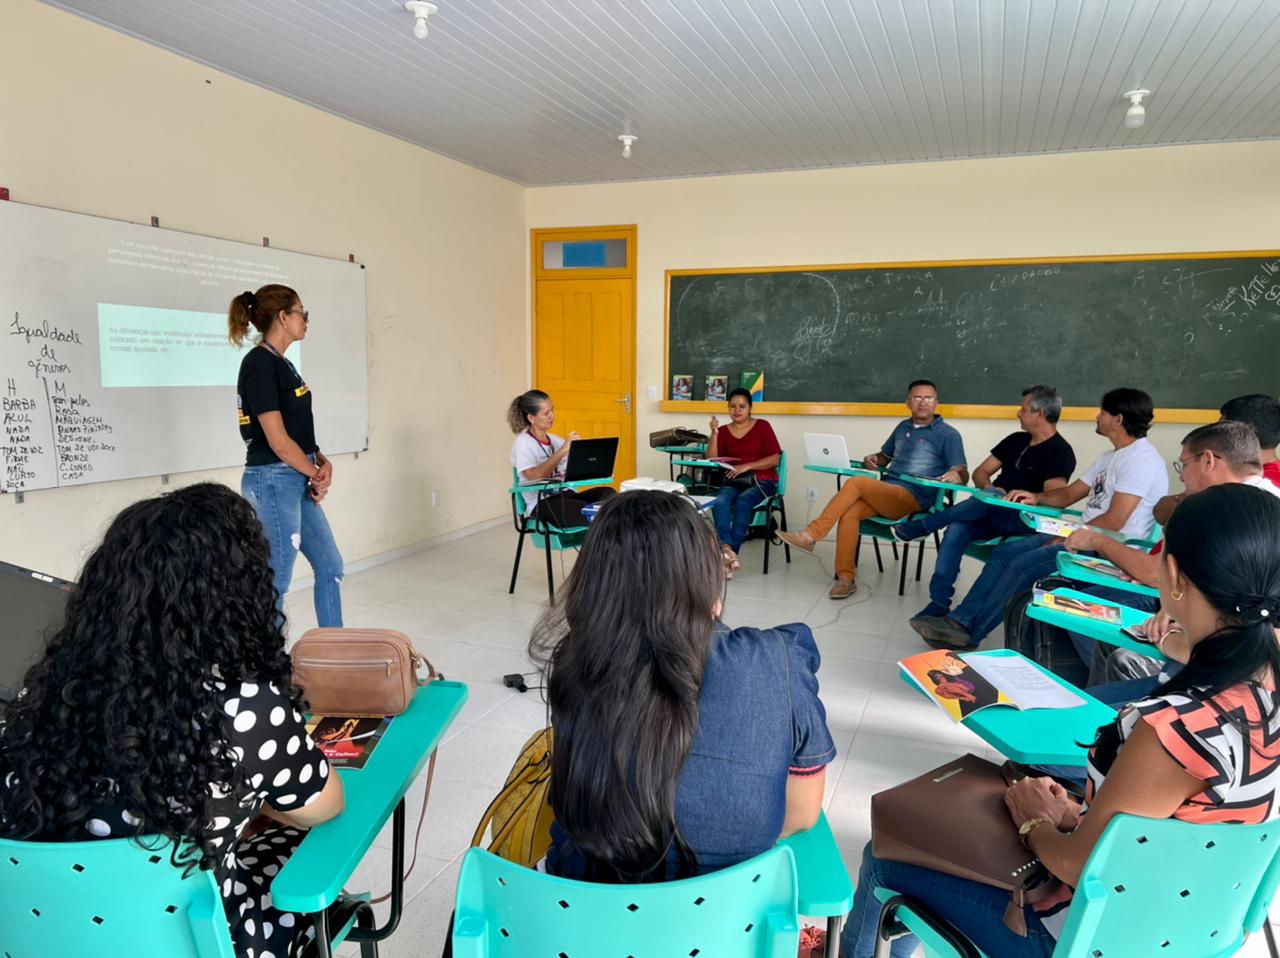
358,671
953,820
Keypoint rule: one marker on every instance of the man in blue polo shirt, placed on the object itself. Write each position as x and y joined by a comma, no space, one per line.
921,445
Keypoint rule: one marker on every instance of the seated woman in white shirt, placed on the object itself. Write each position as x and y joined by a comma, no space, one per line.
540,455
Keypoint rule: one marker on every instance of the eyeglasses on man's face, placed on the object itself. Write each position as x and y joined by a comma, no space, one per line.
1180,464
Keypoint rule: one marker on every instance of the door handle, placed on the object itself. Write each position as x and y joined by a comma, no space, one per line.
626,399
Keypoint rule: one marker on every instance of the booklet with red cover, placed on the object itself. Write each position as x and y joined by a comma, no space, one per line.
347,741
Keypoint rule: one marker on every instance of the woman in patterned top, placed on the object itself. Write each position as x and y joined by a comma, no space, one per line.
164,707
1205,749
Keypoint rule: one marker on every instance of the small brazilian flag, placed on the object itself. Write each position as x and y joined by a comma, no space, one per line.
753,381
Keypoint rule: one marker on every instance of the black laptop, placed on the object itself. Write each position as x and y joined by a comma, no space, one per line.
591,459
34,604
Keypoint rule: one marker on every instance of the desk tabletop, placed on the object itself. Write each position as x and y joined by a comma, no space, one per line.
824,887
692,448
1042,736
850,470
325,858
1073,567
1037,736
1093,629
546,485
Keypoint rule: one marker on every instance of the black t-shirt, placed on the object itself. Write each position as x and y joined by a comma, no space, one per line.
1027,467
270,383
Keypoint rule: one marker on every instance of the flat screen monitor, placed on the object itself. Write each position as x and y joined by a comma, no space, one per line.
33,605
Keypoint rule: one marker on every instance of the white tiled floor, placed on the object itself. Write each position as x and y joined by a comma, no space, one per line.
452,601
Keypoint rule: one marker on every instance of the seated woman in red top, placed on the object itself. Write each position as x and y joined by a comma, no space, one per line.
754,476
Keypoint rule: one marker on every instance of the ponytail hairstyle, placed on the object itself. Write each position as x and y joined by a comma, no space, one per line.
623,652
259,309
1226,540
522,407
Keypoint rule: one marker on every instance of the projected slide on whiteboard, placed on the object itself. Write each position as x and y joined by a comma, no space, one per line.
114,359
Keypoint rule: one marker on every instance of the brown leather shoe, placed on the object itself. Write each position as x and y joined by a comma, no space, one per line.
794,540
840,589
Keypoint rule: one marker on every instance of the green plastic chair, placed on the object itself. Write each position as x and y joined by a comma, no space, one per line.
750,909
545,536
114,898
504,910
1156,887
879,529
773,504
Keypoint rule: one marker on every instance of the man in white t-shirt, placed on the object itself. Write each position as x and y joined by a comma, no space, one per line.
1120,490
1212,455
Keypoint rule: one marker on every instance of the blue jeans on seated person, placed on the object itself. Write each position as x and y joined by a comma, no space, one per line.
732,510
966,522
294,522
975,909
1012,568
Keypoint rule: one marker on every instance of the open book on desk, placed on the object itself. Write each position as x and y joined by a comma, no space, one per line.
961,683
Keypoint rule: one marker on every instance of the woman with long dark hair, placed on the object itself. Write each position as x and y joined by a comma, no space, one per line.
164,706
539,456
286,476
681,747
1204,748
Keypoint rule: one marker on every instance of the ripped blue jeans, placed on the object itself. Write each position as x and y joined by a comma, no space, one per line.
293,522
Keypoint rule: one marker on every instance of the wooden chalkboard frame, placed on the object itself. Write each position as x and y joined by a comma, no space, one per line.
897,408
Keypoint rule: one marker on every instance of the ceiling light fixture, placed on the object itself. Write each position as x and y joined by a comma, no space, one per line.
1136,115
420,9
627,139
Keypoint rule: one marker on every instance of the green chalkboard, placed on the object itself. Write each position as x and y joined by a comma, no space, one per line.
1192,332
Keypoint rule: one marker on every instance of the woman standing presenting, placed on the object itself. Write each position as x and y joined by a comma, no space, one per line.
285,474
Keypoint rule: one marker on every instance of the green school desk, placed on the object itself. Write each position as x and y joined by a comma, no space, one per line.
313,877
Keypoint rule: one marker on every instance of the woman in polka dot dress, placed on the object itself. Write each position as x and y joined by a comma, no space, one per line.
164,706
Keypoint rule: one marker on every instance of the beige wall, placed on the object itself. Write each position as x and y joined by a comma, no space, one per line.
1170,199
96,122
100,123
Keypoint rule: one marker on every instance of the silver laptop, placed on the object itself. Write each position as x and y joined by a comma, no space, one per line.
825,450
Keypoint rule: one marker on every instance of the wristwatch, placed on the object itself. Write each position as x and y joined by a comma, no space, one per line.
1029,826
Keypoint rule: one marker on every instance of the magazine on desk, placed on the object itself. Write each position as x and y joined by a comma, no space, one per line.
347,741
1062,526
1098,611
1101,567
961,683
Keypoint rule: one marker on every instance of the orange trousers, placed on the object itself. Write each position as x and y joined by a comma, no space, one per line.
859,498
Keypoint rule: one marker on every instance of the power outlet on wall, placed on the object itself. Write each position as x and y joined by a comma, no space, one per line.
811,494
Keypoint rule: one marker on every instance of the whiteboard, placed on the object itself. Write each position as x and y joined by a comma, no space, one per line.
114,359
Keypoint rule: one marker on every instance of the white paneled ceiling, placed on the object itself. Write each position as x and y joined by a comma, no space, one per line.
538,90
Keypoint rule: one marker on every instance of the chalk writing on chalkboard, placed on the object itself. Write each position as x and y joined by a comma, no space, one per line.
1191,331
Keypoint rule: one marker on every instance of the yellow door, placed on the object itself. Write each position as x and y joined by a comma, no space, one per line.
584,346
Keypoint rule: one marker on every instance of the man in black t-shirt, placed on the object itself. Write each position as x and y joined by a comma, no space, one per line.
1035,459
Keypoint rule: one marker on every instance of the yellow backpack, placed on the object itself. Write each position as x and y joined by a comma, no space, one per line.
520,816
